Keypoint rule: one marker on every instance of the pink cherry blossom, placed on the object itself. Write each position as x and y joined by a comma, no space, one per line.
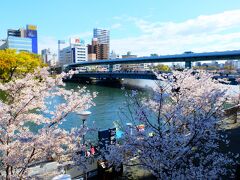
26,102
182,120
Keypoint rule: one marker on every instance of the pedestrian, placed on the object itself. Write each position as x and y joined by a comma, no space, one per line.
92,150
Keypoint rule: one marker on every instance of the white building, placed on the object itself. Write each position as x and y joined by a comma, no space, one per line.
116,67
74,53
2,41
48,57
236,64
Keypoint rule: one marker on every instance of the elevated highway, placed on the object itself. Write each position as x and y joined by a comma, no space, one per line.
188,58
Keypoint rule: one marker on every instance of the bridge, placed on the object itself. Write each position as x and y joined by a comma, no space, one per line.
188,58
118,75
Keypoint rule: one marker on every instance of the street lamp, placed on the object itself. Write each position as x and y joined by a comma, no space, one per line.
130,127
84,115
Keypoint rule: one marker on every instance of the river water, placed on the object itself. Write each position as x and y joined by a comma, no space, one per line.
108,102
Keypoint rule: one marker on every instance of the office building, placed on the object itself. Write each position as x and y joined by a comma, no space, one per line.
236,64
101,50
22,39
31,32
129,55
116,67
16,33
74,53
102,35
133,67
113,55
19,43
48,57
2,41
198,64
92,57
101,43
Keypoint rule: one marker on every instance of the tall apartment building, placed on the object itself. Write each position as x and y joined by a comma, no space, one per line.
102,35
101,51
74,53
22,39
100,43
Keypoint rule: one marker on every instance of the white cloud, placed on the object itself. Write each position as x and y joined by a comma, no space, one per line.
48,42
204,33
116,26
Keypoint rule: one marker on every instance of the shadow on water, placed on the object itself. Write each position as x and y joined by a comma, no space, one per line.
118,84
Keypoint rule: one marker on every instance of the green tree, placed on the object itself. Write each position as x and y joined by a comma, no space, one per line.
153,55
229,68
162,67
17,64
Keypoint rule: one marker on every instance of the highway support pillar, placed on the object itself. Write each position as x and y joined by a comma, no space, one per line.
188,64
110,67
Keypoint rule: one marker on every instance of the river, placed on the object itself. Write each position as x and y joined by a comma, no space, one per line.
108,103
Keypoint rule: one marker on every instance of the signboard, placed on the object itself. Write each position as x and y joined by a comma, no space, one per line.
61,42
107,137
76,41
31,33
31,27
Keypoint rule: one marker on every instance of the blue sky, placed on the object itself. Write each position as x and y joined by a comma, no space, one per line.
140,26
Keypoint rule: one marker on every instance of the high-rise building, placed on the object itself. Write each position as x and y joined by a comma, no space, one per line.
19,43
31,32
48,57
76,52
101,50
92,57
22,39
103,40
13,32
102,35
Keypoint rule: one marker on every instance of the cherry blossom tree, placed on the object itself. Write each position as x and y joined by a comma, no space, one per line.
175,132
26,102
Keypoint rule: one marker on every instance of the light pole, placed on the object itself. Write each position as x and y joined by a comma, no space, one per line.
84,115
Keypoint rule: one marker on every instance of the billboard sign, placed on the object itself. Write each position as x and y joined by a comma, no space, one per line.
77,41
31,33
61,42
31,27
